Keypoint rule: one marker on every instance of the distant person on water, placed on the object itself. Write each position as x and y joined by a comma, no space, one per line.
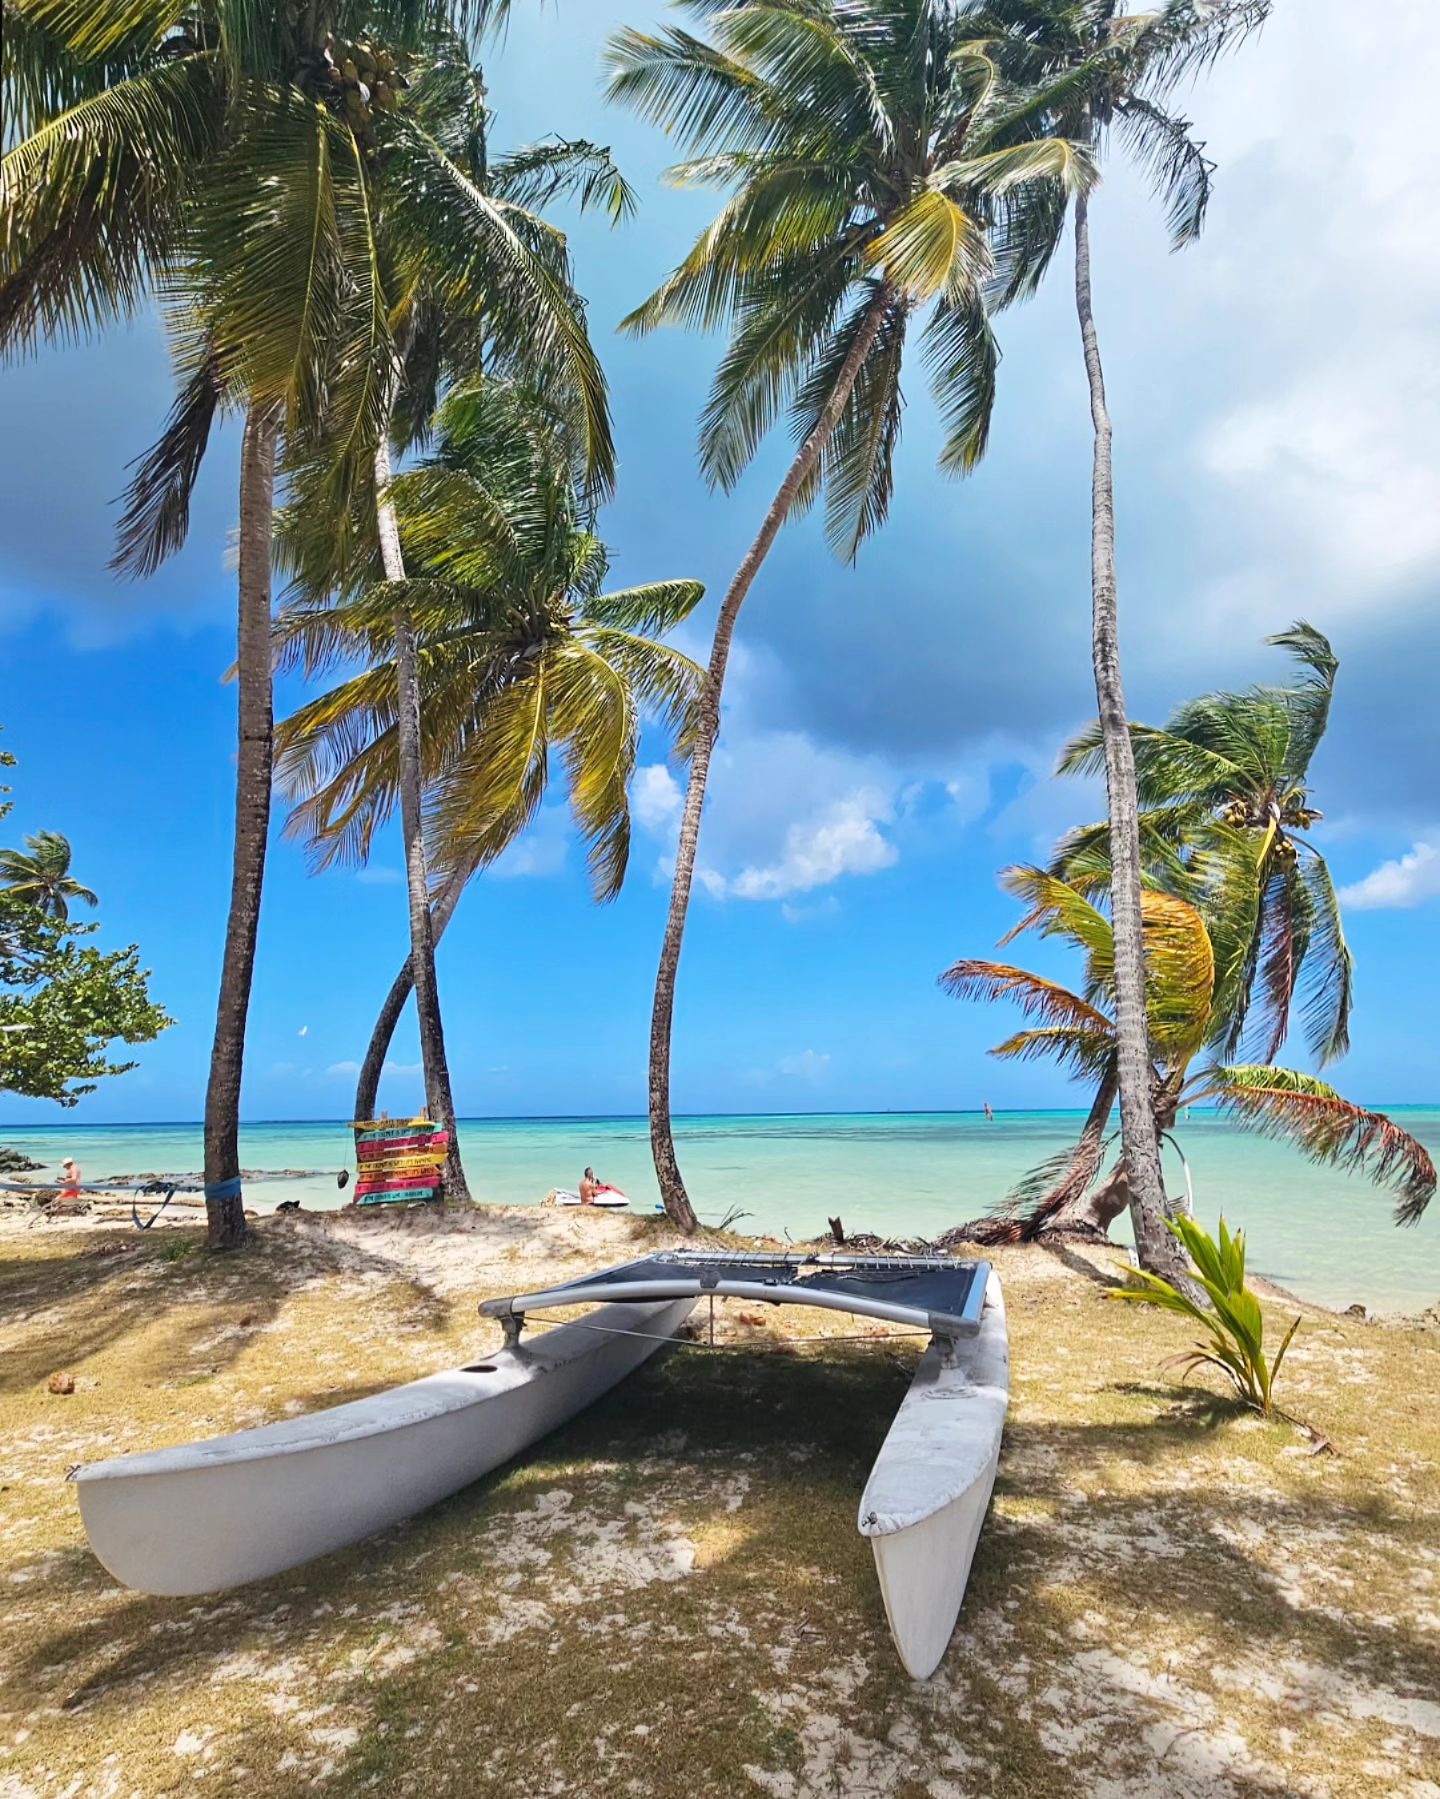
988,1113
589,1187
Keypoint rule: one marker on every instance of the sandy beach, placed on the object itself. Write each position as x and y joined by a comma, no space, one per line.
1128,1628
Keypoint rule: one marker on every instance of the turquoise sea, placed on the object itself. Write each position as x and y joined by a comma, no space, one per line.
1327,1235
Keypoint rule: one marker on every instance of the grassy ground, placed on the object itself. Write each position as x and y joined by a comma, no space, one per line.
670,1597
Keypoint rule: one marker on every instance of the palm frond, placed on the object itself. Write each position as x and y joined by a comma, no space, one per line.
94,202
568,168
1045,1191
963,359
1036,997
1308,701
1329,1130
653,606
1327,974
156,516
1178,170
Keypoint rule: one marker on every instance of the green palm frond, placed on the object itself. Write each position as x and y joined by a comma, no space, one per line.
856,466
1168,836
698,93
1327,971
1177,168
570,168
785,313
1055,909
1169,765
962,357
521,654
156,516
268,252
494,789
93,203
593,714
40,875
932,247
470,248
654,606
857,143
1309,700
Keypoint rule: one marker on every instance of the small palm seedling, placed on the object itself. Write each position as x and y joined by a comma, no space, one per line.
1233,1319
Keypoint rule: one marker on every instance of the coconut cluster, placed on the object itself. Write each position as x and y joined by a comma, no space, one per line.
362,79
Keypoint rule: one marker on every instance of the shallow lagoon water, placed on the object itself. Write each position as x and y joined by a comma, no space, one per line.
1325,1234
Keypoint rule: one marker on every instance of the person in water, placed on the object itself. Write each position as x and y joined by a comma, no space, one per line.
589,1187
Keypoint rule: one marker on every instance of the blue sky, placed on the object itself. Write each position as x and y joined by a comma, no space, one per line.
889,728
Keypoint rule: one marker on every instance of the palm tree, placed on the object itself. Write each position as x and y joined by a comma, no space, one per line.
230,157
40,873
1188,1022
1225,805
440,339
869,152
520,654
1097,69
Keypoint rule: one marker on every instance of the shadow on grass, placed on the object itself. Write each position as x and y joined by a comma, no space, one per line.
168,1290
666,1675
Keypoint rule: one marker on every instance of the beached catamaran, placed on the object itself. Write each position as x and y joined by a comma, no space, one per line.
211,1515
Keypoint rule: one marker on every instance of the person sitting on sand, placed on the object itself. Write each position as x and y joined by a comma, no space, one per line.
589,1187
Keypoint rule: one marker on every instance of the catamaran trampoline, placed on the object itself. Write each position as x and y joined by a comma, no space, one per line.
934,1293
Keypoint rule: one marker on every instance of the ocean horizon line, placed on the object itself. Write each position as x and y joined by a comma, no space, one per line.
150,1124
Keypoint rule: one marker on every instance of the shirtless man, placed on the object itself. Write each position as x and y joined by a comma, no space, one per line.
589,1187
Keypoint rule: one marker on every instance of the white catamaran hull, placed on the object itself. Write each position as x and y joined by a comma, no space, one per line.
926,1498
215,1514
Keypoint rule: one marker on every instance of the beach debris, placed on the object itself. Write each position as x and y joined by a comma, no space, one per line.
1356,1311
62,1381
247,1321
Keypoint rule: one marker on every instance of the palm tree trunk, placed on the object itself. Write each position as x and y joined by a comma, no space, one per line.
367,1088
438,1099
1158,1250
662,1142
224,1205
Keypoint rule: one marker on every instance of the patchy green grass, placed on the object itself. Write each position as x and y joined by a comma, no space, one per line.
670,1597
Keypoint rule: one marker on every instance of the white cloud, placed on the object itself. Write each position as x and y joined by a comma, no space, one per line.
844,839
1344,471
656,799
1405,881
379,874
783,815
807,1066
345,1070
1324,429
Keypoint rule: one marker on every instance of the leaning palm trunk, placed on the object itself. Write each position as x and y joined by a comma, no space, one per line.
367,1088
438,1099
662,1142
225,1209
1157,1248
